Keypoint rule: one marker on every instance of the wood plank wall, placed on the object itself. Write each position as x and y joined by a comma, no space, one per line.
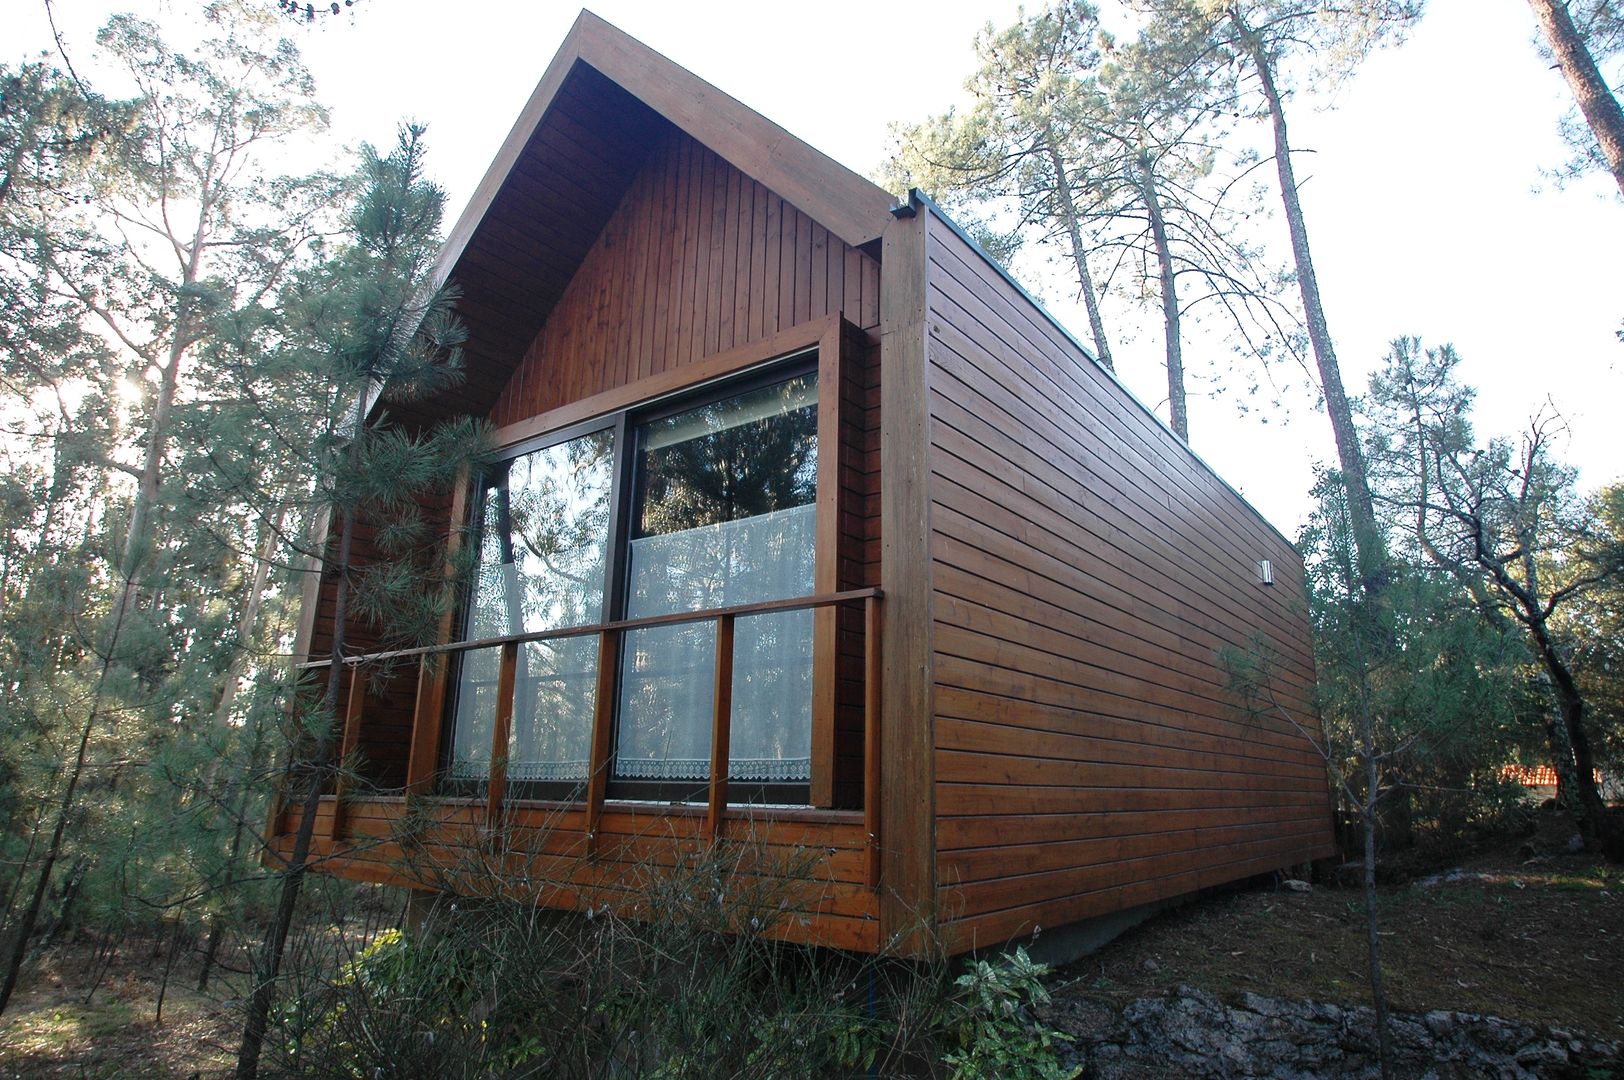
810,889
698,259
1087,573
859,550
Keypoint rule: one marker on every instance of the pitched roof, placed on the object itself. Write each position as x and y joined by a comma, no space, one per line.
604,101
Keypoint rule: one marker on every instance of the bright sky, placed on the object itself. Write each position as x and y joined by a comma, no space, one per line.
1421,197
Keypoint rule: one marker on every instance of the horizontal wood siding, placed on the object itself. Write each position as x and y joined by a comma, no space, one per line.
1088,574
805,867
697,259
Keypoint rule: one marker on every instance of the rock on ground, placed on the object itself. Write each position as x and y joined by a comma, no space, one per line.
1191,1033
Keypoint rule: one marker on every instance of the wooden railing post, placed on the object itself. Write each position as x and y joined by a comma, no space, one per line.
871,736
721,725
347,743
433,687
501,733
603,712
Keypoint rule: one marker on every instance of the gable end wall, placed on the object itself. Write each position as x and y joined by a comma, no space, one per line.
698,259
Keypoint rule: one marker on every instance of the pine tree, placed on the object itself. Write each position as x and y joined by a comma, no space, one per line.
1505,521
1020,141
116,303
1111,149
1266,39
363,329
1578,46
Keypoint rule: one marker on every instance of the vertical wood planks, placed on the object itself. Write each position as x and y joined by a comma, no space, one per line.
603,714
353,707
697,259
501,734
721,726
826,573
873,672
434,671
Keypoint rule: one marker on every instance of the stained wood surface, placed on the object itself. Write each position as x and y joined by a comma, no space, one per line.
1088,575
531,221
697,259
813,862
859,557
699,272
907,794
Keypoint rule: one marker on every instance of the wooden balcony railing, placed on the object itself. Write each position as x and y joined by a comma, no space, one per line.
610,635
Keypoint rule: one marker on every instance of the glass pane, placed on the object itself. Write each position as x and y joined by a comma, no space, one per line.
771,737
725,516
543,533
557,692
543,527
476,713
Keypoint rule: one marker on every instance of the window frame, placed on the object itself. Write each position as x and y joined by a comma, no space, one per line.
818,346
628,468
472,536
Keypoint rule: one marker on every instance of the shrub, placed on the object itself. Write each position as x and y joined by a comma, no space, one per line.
687,984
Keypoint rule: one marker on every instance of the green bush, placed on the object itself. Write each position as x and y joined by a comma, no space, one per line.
499,988
991,1021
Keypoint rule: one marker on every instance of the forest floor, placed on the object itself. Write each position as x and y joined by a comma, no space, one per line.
51,1030
1537,939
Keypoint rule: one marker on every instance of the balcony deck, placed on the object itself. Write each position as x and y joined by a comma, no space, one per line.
820,867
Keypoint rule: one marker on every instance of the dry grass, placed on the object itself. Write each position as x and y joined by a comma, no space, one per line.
49,1031
1540,942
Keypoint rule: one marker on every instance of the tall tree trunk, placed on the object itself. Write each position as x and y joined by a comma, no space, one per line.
1365,633
1079,257
138,541
269,964
1366,537
1571,754
149,486
236,794
226,693
1373,939
1178,417
242,795
1600,108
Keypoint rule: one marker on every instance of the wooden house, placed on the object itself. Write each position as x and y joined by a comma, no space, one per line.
810,526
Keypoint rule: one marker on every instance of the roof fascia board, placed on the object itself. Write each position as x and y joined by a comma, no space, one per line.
850,206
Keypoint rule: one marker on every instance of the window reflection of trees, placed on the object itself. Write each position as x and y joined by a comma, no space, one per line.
543,524
726,517
723,514
726,470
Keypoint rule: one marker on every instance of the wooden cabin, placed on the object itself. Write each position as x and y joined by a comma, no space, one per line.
809,529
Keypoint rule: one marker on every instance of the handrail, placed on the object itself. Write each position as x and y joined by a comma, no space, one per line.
795,603
609,634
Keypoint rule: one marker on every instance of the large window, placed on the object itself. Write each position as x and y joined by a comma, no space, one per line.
542,523
703,502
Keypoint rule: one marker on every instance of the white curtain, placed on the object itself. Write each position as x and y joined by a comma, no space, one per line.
666,688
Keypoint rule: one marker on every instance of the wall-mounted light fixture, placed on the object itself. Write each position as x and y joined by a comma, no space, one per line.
1265,572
